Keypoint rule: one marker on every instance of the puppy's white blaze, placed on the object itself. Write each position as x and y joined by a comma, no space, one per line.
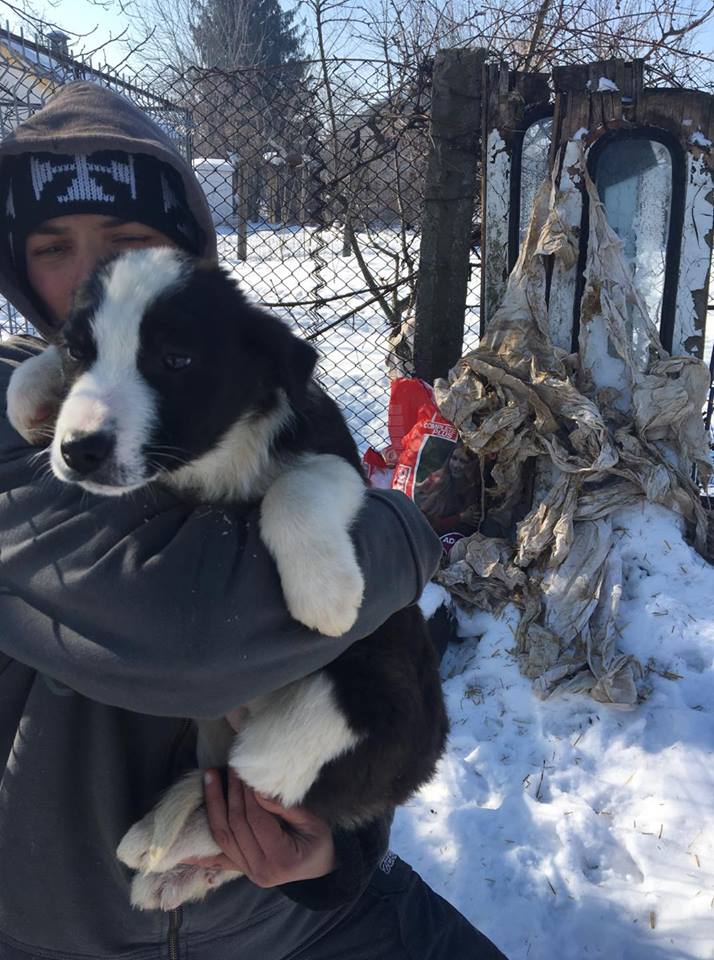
129,287
241,465
289,736
112,396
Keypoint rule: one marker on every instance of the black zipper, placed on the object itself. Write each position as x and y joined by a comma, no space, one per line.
175,918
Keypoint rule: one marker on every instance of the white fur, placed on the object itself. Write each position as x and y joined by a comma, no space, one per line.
112,396
174,821
288,736
125,408
305,519
241,466
34,395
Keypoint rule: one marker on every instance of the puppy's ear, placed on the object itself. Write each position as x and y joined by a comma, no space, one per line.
299,359
292,358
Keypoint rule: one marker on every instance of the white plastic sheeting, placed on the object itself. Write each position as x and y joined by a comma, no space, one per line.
616,424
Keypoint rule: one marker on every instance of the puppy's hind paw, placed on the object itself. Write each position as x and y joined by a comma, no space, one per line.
185,883
134,847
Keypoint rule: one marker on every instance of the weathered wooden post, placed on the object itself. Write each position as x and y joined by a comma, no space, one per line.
448,211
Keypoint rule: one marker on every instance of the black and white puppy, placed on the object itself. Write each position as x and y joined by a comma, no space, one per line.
168,374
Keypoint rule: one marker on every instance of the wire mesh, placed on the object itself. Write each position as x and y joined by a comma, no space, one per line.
314,176
314,173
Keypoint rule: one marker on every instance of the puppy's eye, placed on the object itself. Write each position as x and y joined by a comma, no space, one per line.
74,352
177,361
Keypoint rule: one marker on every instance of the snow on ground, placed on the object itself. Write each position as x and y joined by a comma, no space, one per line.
567,829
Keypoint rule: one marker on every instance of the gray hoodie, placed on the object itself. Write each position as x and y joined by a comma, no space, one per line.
119,618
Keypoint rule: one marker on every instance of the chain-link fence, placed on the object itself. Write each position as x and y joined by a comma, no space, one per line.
314,174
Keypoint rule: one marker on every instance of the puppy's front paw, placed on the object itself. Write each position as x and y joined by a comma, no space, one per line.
305,520
324,591
34,396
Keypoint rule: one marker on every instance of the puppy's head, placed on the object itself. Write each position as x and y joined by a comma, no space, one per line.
164,356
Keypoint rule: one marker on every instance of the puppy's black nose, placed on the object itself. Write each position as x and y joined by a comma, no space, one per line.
85,452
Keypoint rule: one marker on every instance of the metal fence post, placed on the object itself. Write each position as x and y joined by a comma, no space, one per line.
448,211
240,193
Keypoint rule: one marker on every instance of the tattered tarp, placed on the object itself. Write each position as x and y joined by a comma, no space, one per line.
523,404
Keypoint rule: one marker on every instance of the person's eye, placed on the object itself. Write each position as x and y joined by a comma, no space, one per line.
49,250
177,361
132,238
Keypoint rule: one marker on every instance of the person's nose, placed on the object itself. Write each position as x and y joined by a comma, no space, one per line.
85,262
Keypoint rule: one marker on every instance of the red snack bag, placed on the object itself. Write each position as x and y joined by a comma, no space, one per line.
406,398
425,449
379,473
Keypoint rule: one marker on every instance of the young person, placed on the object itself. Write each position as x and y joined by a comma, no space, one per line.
119,618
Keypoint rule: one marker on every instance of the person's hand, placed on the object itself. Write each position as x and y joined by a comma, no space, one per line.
471,515
269,843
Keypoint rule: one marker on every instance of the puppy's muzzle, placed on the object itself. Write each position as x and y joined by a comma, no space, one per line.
85,453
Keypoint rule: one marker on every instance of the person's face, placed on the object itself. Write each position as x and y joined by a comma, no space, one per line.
62,252
460,461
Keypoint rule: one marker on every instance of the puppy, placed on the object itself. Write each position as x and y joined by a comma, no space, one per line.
167,374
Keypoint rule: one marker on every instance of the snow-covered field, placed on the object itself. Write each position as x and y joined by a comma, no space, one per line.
566,829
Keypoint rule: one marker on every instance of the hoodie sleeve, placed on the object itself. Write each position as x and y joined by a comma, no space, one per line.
146,603
359,853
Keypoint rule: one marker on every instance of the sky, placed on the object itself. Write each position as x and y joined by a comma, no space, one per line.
88,25
81,16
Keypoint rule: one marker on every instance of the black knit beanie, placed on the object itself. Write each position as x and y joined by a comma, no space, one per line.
129,186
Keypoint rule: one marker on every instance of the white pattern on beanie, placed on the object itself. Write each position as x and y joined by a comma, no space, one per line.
84,186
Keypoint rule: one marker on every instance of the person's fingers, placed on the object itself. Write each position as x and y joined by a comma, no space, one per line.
275,842
218,820
240,826
215,807
268,842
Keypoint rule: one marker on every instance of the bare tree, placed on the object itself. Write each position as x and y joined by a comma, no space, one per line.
536,34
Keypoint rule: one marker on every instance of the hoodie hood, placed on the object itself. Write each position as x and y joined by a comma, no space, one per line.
84,118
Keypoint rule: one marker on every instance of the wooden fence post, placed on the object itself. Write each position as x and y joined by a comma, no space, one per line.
448,211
